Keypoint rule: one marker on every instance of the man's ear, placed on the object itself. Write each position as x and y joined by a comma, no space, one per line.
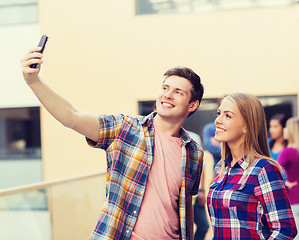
194,105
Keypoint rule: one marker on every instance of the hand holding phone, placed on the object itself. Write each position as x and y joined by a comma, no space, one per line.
42,44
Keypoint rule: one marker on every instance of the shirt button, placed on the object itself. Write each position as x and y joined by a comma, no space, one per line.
134,212
127,231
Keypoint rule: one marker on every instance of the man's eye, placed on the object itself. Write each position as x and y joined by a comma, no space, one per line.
228,116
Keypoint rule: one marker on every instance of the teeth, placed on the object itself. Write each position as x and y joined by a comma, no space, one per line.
167,104
220,130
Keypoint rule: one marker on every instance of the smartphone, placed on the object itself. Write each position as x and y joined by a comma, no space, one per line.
42,44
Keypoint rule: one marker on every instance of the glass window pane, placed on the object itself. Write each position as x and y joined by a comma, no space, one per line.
16,2
183,6
20,134
18,14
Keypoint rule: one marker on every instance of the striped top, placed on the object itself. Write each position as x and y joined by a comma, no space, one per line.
250,204
129,146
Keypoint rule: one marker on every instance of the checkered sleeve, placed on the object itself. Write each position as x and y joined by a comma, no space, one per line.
277,214
109,128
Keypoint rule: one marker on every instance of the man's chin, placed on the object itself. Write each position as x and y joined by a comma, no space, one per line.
163,114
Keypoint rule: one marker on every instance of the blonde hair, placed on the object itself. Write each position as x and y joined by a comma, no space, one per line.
255,143
292,127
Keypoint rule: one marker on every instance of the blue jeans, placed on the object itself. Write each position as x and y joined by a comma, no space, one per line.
201,221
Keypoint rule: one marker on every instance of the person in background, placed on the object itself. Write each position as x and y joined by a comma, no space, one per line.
210,144
153,166
200,215
277,141
289,160
248,198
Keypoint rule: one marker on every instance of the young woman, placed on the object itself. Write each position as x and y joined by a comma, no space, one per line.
247,199
289,160
277,141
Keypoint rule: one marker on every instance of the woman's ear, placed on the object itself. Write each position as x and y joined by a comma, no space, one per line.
245,129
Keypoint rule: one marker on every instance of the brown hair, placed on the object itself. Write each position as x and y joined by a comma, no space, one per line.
255,143
292,127
197,88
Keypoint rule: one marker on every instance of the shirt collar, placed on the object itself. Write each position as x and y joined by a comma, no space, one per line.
243,162
149,119
185,136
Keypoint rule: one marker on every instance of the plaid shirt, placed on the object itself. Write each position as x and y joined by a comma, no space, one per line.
129,146
250,204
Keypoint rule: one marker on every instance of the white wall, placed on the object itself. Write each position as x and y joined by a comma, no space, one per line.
15,41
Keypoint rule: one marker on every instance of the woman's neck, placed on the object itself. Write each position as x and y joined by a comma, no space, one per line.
237,152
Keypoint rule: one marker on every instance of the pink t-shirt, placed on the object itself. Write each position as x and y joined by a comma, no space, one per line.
158,217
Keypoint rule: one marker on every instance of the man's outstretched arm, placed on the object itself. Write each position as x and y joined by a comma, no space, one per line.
83,123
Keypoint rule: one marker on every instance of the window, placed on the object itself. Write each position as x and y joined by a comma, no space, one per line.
20,133
207,112
286,104
18,12
185,6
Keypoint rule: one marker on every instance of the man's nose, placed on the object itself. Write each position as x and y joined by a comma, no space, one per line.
168,95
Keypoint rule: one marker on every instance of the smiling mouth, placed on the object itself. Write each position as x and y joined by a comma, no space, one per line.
220,130
166,104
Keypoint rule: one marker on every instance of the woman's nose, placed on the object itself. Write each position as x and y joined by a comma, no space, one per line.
217,120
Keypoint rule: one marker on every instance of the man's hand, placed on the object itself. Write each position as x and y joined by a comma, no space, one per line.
31,74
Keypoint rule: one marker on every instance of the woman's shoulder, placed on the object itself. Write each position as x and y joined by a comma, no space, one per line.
265,165
266,170
261,162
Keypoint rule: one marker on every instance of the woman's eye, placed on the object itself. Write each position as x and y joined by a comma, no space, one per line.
228,116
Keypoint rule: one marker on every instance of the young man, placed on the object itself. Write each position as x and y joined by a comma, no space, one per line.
153,165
